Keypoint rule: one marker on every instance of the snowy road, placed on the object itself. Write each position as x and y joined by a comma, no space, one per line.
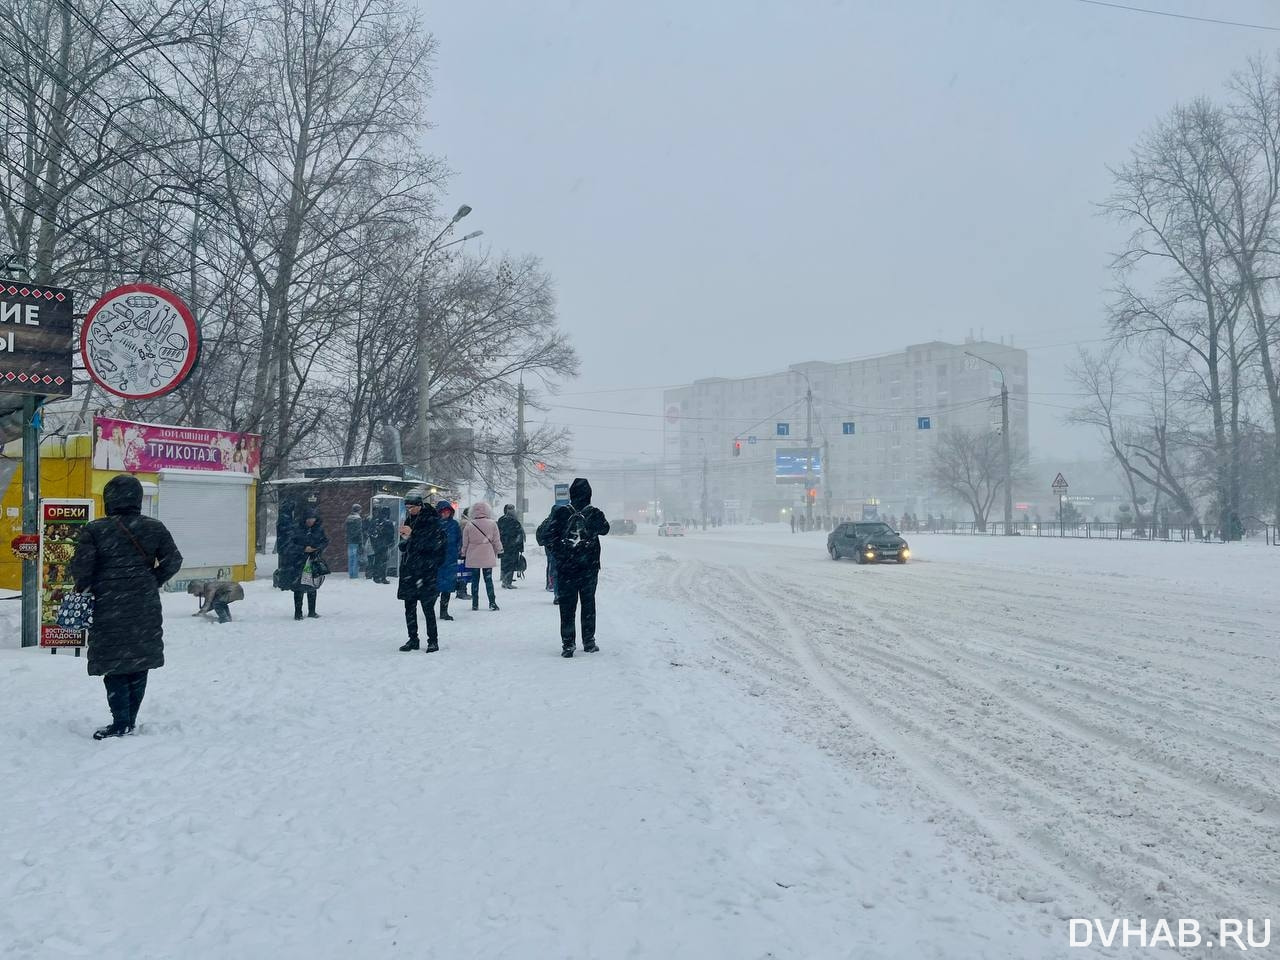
775,756
1087,720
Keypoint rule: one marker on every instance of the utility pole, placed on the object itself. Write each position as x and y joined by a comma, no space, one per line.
424,388
808,454
424,343
1004,437
704,487
1008,463
519,457
30,519
826,475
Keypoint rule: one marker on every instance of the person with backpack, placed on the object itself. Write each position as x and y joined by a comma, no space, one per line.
512,545
123,560
422,549
481,547
572,534
355,538
542,537
447,578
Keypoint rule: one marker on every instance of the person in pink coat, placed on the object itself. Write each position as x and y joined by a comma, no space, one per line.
481,547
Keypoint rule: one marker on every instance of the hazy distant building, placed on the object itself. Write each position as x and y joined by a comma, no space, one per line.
878,420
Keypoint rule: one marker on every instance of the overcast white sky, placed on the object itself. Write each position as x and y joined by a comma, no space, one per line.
725,187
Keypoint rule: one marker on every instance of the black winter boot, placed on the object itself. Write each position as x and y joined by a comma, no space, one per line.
311,605
297,606
114,730
444,607
567,653
412,644
492,605
590,647
433,646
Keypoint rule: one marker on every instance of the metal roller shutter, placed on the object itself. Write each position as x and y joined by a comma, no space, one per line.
208,515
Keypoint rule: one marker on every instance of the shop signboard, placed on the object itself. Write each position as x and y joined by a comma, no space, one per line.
130,447
60,524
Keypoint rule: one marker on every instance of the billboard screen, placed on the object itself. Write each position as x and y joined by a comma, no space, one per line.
789,464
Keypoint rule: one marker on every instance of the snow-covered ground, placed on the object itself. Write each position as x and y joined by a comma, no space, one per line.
775,756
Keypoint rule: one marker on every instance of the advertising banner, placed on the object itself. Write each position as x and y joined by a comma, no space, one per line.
789,464
37,339
149,448
60,525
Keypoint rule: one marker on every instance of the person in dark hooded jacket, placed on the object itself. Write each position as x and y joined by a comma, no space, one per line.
422,549
123,560
512,532
447,576
307,542
572,535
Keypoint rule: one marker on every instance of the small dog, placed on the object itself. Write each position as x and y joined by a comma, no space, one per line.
216,597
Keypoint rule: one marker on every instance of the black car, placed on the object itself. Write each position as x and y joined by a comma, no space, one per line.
624,526
871,541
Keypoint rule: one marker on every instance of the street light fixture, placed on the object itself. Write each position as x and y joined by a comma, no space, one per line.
424,342
1004,437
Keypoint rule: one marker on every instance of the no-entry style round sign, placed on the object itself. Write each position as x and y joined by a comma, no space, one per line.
140,342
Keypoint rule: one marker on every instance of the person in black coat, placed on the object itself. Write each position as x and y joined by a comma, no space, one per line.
306,542
382,536
123,560
512,533
422,551
572,536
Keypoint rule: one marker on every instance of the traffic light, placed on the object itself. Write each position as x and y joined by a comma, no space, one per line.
540,465
737,448
811,496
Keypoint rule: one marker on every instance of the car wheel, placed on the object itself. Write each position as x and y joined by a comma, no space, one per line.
835,552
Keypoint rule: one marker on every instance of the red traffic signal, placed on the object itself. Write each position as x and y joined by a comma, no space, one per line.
737,448
812,493
540,465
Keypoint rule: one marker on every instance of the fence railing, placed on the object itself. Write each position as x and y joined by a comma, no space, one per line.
1085,530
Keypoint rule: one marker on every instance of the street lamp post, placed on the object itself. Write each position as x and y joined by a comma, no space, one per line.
424,343
1004,437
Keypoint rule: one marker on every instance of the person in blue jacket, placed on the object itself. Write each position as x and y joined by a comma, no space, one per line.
446,579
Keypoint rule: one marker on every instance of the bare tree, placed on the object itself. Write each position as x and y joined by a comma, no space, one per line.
969,465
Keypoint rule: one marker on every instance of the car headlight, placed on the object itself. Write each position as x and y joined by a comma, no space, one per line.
905,553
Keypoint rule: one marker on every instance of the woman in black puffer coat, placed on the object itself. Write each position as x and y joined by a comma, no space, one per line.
306,542
123,560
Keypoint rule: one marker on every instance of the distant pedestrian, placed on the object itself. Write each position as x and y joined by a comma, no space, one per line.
123,560
541,536
447,577
793,521
512,544
286,520
216,597
382,537
481,547
355,540
464,575
422,546
302,565
573,534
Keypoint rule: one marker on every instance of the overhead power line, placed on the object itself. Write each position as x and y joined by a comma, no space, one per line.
1179,16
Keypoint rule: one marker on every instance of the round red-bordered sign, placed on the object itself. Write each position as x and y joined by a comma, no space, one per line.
139,342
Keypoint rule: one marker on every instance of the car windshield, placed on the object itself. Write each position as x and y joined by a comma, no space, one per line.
872,529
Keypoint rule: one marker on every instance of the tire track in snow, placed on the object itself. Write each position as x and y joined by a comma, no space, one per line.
1198,835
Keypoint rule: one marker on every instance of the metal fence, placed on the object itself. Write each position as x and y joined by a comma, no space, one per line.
1085,530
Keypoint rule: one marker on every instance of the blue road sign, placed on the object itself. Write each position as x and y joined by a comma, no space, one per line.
784,429
847,428
922,423
751,439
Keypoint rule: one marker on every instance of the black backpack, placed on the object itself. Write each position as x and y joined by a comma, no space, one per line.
577,540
